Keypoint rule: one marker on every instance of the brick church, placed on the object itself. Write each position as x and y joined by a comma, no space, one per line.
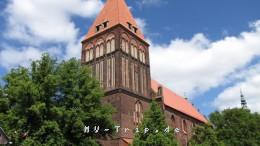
118,54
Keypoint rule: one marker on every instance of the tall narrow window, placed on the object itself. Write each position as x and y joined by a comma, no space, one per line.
108,46
184,126
173,121
136,74
138,113
97,52
91,54
93,70
101,75
97,72
87,56
111,72
123,45
135,53
140,55
125,72
101,50
113,45
145,82
144,60
127,47
88,52
133,75
160,91
132,50
142,80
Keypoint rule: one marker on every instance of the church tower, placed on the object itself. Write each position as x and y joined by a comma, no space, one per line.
116,51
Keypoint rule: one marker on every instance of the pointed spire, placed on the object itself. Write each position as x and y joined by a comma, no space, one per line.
185,96
243,100
113,13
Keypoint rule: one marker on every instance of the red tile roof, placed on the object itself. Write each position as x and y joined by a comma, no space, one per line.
116,12
178,103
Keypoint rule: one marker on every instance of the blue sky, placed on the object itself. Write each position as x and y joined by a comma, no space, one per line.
205,49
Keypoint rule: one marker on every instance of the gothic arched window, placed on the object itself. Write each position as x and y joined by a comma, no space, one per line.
97,52
125,72
100,48
111,45
100,72
110,72
173,121
136,53
87,54
124,46
134,50
142,54
124,43
184,126
138,113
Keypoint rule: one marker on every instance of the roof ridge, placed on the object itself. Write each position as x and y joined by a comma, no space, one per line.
177,102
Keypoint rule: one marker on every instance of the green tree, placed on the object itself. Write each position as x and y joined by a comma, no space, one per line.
50,103
205,135
154,120
4,102
231,127
237,127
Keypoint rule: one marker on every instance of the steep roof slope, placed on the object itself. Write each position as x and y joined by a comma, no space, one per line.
178,103
115,12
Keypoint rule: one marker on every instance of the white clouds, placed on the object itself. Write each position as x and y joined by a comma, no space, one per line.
141,24
148,2
40,23
12,57
229,98
198,65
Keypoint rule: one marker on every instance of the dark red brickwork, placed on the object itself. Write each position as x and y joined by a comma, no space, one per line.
132,100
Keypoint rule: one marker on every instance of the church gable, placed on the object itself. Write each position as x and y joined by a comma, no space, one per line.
114,12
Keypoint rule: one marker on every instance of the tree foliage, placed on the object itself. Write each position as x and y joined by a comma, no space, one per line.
231,127
237,127
205,135
154,119
50,103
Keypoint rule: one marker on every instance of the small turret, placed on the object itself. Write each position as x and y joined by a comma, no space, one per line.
243,100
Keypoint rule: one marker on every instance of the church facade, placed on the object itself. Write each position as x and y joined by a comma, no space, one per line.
116,51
